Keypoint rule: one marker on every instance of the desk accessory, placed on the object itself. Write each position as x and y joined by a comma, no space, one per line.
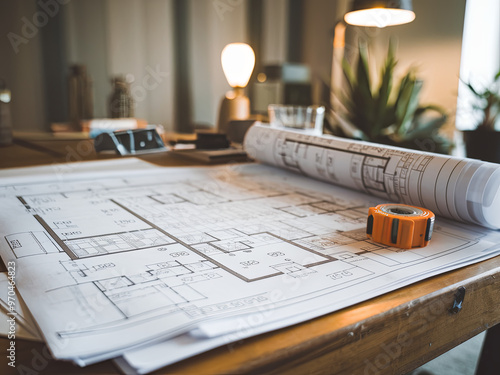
80,96
211,141
306,119
400,225
237,129
225,155
210,148
130,142
108,125
121,104
201,141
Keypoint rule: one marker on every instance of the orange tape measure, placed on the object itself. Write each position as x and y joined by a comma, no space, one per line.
400,225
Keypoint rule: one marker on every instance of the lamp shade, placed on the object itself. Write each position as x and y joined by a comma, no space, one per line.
380,13
238,61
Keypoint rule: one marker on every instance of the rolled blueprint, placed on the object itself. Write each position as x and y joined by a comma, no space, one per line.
462,189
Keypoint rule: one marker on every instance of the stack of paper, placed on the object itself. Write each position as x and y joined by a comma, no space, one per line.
16,320
152,265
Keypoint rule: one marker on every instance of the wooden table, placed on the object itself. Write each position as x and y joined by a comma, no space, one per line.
390,334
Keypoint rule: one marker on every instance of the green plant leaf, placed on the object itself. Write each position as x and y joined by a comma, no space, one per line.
363,71
384,92
387,114
349,74
407,103
426,127
362,95
471,88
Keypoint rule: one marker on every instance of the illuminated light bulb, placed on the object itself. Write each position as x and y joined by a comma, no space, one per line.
379,17
238,61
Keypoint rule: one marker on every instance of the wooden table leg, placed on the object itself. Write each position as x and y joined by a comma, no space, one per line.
489,360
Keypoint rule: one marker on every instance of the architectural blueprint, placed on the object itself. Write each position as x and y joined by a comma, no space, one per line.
107,262
461,189
25,327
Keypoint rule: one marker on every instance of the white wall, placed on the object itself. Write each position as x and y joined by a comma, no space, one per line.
86,43
432,43
159,44
126,37
140,45
213,24
319,20
275,32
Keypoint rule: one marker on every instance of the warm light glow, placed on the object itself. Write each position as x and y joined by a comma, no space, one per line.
238,61
5,96
262,77
379,17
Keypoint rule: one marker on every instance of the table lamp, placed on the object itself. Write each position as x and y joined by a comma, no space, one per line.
238,61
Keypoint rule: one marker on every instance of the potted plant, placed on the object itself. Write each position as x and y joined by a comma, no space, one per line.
389,112
484,142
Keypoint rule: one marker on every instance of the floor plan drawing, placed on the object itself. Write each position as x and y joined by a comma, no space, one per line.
120,261
31,243
449,186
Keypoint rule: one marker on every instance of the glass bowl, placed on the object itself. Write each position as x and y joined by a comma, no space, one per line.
305,119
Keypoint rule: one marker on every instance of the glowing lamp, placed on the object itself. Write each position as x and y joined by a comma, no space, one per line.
380,13
238,61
